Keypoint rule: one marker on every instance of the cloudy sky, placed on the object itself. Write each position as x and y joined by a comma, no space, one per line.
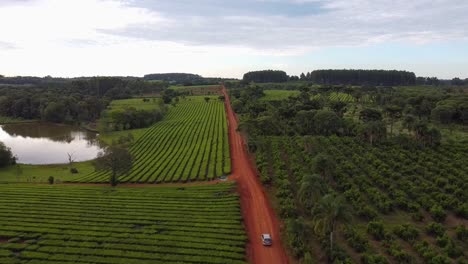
227,38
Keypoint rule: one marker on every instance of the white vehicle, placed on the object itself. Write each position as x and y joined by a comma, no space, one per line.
266,240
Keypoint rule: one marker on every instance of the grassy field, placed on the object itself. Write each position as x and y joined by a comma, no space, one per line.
70,224
137,103
110,137
191,143
40,173
9,120
277,95
120,105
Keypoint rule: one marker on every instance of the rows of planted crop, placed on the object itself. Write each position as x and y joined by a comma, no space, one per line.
416,196
191,143
71,224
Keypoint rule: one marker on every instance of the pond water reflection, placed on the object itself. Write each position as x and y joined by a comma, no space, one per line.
45,143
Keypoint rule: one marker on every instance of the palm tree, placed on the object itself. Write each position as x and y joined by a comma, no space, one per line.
331,212
325,165
311,189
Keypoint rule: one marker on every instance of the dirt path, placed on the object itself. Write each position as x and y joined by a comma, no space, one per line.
258,215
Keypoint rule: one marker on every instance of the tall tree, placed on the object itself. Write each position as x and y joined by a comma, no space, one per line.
325,165
311,190
373,131
118,161
6,156
331,213
393,112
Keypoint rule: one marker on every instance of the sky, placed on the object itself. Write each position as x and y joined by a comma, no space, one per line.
217,38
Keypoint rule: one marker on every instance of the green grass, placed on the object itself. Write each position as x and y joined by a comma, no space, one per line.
136,103
110,137
191,143
71,224
40,173
181,87
10,120
198,89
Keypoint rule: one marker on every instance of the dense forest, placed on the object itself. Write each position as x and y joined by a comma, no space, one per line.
363,174
265,76
70,100
360,77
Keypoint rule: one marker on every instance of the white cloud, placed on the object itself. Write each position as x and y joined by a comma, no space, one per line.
86,37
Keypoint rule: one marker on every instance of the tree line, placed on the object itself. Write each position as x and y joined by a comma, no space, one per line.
186,79
360,77
372,120
70,101
265,76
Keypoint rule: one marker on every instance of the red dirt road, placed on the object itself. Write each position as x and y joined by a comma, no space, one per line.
258,215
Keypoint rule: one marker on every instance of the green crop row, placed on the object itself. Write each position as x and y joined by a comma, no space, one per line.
191,143
63,224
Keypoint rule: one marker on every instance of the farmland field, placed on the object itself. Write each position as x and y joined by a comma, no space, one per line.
277,95
198,89
416,197
191,143
137,103
71,224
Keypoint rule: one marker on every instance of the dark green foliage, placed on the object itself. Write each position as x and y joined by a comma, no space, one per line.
186,79
296,231
117,161
361,77
406,232
370,115
373,259
377,230
356,240
438,213
6,156
131,118
435,229
327,122
51,179
265,76
462,233
70,100
461,210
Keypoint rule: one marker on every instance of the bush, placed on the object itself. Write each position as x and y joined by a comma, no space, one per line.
51,180
373,259
438,213
368,213
462,210
406,232
73,170
439,259
443,240
462,233
356,240
435,229
453,250
417,216
376,229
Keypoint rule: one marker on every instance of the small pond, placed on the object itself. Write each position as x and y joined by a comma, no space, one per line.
45,143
